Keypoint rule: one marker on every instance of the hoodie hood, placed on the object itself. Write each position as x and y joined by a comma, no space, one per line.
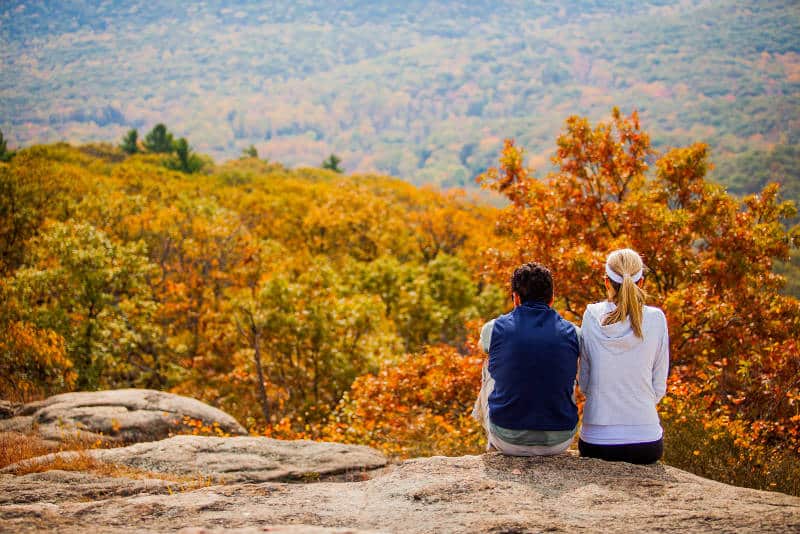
616,337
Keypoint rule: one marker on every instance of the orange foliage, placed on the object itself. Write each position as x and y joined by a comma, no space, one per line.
33,361
16,447
26,451
418,406
196,427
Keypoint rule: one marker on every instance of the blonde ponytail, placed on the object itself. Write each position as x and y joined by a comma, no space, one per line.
624,268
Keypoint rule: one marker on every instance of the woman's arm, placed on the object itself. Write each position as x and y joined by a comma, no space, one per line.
661,363
583,360
486,336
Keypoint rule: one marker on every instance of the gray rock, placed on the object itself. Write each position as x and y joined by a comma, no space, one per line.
121,416
487,493
280,529
239,459
9,409
63,486
22,424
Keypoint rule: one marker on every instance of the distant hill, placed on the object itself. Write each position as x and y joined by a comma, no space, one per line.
421,90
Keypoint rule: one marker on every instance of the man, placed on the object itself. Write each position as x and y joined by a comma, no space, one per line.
527,398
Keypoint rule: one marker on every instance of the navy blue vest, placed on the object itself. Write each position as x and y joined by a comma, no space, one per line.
533,358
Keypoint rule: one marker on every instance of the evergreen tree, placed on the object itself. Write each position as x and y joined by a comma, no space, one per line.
186,161
5,154
159,140
332,163
129,142
250,152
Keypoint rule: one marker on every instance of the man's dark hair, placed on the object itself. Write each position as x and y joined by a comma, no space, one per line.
533,283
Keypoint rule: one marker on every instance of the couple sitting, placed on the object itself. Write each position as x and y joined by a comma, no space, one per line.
527,399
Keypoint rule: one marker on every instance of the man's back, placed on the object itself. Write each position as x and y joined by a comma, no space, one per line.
533,355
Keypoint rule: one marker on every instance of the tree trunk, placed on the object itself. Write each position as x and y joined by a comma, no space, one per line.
262,390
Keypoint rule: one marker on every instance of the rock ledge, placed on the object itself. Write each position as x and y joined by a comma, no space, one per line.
487,493
121,415
239,459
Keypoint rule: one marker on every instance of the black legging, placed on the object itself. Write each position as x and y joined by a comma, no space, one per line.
635,453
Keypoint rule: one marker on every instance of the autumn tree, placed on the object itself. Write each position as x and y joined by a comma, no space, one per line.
94,294
28,189
320,338
417,406
331,230
196,245
430,303
251,326
33,360
445,228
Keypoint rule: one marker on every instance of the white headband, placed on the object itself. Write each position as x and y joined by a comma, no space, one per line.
618,279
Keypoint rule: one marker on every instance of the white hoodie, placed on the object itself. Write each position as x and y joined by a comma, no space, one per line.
623,376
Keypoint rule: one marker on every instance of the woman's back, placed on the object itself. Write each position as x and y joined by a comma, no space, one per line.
623,375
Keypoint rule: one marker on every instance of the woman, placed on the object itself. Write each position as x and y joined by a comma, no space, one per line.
623,368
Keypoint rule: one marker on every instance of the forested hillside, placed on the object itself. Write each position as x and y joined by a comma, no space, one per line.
421,90
121,272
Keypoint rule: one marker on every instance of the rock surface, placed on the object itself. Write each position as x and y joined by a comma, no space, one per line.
122,415
281,529
487,493
9,409
239,459
52,487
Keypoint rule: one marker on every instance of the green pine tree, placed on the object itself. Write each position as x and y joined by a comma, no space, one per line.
185,159
332,163
5,154
159,140
129,142
250,152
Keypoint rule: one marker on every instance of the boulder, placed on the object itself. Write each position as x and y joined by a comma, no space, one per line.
117,416
240,459
9,409
486,493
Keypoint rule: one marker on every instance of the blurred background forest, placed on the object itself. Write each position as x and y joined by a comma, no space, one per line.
310,303
425,91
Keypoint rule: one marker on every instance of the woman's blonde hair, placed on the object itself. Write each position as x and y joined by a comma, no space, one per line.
625,265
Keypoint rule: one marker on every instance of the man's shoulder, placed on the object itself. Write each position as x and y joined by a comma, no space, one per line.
567,327
503,320
569,330
575,328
